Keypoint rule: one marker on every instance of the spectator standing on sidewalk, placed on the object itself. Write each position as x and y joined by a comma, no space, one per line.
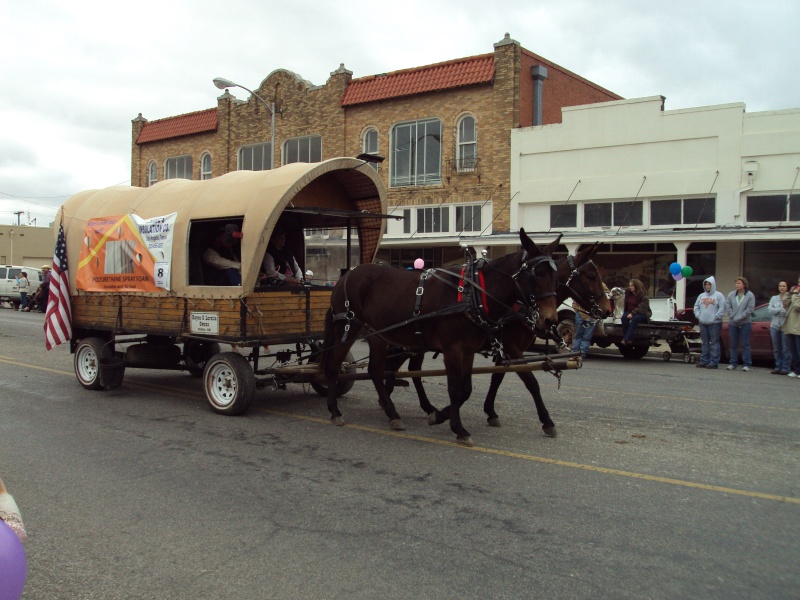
791,326
739,307
709,310
780,341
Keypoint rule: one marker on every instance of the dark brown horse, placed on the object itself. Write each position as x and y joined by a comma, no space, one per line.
578,279
441,310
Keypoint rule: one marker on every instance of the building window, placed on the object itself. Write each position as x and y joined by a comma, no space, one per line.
627,214
433,220
407,220
597,214
416,153
307,149
256,157
467,145
178,167
563,216
205,166
468,218
369,145
689,211
152,173
773,208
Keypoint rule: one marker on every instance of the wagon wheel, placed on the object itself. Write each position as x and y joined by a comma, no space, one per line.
633,352
342,387
566,329
87,361
687,358
196,355
229,383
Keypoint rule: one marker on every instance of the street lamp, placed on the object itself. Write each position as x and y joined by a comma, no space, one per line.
223,83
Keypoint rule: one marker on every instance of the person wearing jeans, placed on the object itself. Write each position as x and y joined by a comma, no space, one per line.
709,310
780,341
637,310
739,307
791,326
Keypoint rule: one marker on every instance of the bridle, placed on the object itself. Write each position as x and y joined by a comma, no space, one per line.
530,300
585,297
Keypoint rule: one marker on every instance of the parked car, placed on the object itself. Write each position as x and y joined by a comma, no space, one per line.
9,290
760,341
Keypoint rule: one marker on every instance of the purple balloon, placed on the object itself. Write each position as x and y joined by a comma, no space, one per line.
13,564
677,277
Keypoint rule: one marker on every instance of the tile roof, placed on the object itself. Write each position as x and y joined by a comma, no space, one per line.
172,127
441,76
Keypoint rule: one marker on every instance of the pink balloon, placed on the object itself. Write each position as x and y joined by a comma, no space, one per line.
677,277
419,264
13,564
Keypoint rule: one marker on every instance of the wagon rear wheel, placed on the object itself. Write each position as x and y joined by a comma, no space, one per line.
229,383
87,361
342,387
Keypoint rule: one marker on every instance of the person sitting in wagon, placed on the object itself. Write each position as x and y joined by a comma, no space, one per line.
279,267
223,257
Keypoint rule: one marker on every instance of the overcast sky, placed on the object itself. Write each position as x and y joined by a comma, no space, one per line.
75,73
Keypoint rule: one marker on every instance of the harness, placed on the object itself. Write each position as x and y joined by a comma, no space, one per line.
472,299
584,293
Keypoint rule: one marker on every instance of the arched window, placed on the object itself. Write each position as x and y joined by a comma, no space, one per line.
306,149
255,158
369,144
205,166
467,145
416,153
152,173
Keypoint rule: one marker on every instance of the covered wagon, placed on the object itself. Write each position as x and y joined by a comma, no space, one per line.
145,295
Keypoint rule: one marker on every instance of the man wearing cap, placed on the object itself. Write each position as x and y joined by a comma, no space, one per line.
43,293
279,265
223,257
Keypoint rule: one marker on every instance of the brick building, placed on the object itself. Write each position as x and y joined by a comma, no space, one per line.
444,130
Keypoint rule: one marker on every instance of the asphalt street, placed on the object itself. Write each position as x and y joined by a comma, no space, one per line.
665,481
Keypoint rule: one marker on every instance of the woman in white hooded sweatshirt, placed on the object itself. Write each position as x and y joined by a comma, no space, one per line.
709,310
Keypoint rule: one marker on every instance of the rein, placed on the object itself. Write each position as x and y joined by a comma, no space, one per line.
469,291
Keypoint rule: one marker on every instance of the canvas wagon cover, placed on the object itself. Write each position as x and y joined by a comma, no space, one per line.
259,196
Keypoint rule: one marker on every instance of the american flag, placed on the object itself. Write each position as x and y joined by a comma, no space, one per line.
58,320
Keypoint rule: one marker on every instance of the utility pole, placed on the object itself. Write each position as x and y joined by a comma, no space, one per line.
18,213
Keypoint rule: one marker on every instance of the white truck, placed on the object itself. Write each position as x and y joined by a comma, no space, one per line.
663,325
9,289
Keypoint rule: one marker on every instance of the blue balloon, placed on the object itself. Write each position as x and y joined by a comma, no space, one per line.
675,268
13,564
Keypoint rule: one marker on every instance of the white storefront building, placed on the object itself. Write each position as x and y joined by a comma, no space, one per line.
714,187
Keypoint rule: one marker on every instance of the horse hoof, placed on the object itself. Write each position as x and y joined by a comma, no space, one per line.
466,441
338,421
432,419
549,431
493,422
397,425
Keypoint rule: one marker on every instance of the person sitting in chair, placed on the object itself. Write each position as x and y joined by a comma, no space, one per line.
223,257
279,266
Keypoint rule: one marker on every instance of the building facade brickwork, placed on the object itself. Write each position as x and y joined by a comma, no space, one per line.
303,109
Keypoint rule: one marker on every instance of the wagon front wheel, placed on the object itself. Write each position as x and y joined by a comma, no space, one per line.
229,383
87,361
